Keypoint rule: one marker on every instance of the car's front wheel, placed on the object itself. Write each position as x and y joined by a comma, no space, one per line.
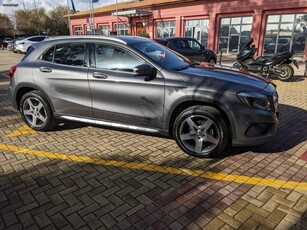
36,112
201,131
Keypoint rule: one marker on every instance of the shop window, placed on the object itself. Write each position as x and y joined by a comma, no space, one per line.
105,29
166,29
78,31
197,29
234,32
286,32
122,29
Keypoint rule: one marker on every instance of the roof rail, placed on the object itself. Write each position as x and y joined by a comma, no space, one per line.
114,38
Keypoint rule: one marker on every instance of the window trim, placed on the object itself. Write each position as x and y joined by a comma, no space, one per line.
86,54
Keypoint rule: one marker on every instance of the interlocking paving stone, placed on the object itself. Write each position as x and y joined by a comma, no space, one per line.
38,192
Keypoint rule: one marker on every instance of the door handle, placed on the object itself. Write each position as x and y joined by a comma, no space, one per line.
100,75
45,70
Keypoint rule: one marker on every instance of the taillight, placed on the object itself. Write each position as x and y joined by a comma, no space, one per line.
12,71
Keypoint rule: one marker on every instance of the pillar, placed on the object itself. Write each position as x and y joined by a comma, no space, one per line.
257,33
213,33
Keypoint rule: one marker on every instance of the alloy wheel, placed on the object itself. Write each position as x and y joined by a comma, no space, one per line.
34,112
199,134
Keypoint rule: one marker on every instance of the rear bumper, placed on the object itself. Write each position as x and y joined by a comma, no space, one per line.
12,97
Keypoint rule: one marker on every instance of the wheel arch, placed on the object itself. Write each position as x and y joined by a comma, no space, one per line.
27,87
180,106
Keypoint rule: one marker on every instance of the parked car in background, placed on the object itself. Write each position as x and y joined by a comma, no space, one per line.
9,46
22,46
282,45
6,42
135,83
190,48
15,43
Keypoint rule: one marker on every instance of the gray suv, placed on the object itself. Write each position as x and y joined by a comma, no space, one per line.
135,83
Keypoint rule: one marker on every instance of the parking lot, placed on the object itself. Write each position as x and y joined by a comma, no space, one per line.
89,177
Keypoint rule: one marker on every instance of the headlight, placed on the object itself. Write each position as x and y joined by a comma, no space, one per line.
255,100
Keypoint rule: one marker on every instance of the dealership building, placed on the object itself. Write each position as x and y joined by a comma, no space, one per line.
275,25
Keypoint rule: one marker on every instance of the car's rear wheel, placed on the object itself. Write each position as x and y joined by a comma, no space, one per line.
212,61
201,131
36,112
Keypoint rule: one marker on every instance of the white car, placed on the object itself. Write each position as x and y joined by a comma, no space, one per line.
22,46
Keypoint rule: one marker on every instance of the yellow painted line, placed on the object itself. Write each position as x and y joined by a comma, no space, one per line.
22,131
270,182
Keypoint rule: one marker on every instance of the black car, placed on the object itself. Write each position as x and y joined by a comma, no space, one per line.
135,83
190,48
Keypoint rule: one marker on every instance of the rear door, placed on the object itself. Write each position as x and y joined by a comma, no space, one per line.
61,73
120,96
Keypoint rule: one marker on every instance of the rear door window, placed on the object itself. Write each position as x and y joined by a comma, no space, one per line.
70,54
181,44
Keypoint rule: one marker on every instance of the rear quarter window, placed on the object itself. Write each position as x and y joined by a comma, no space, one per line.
48,55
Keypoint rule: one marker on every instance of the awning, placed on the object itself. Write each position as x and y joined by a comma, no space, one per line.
132,13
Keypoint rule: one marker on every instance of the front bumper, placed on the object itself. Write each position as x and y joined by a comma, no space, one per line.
254,127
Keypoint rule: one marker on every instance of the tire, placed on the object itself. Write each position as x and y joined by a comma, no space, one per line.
36,112
289,72
212,61
201,131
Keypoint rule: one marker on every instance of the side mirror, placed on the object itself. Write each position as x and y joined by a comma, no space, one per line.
147,71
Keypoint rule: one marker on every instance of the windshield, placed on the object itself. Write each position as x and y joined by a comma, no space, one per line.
162,55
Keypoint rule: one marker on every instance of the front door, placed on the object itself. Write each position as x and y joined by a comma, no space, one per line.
140,30
120,96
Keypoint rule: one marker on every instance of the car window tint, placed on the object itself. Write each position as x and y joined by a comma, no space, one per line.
115,58
35,39
161,55
181,44
48,55
70,54
194,44
41,39
162,42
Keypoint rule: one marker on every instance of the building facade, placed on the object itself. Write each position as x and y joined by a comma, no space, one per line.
275,25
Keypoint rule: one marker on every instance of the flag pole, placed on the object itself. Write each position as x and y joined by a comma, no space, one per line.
68,13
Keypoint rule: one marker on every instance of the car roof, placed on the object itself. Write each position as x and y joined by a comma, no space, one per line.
175,38
121,39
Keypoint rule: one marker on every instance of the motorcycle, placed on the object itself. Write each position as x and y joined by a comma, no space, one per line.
268,66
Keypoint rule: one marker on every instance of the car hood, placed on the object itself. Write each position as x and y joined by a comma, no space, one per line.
231,77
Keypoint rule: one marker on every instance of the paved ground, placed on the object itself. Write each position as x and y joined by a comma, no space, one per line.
86,177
